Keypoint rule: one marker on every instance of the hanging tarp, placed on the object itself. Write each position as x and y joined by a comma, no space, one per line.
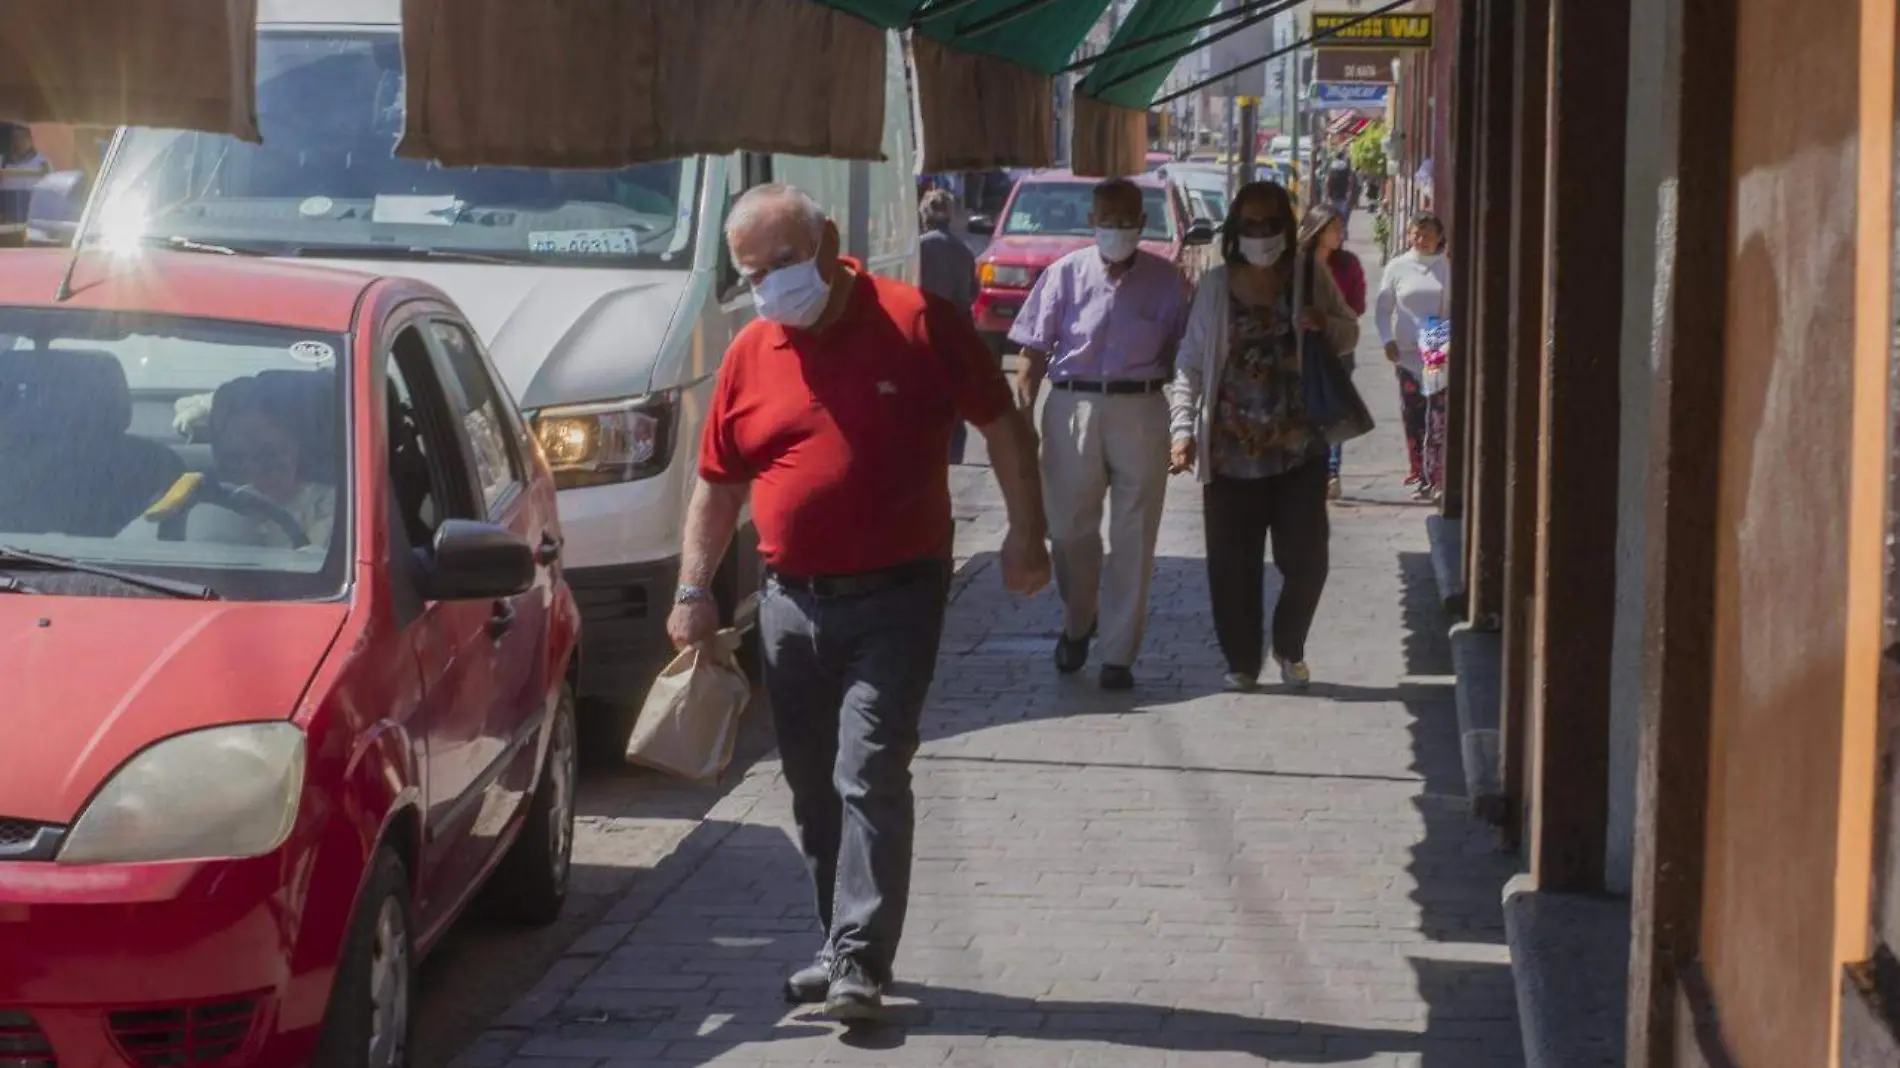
1111,104
979,112
179,64
620,82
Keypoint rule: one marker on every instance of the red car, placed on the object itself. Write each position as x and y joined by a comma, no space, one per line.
287,652
1046,218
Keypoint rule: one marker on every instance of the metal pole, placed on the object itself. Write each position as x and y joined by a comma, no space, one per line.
1175,55
1139,43
1294,47
930,12
1002,18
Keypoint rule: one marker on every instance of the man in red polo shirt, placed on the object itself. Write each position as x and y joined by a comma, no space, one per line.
833,412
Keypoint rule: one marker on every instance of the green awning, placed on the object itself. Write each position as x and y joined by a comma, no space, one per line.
1149,19
1042,37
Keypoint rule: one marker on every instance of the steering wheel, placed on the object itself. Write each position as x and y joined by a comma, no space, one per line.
247,502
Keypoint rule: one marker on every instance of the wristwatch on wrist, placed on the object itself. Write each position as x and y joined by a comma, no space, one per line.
690,594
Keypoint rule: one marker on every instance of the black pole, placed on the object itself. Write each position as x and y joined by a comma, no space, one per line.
1002,18
1199,24
937,10
1275,54
1174,56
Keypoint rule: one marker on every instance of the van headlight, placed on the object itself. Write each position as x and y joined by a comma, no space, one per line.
609,442
223,793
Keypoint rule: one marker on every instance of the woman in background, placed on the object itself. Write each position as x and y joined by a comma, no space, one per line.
1415,289
1325,231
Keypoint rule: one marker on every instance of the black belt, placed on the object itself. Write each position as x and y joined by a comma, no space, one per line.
1113,386
863,583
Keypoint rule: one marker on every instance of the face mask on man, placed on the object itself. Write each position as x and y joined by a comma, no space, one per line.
793,296
1117,244
1263,251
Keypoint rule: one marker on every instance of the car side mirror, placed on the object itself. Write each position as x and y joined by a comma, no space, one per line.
476,562
1200,233
53,209
981,225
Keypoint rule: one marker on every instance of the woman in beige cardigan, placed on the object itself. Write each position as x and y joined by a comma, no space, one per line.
1239,422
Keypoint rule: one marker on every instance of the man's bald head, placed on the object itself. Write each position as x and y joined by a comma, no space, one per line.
777,225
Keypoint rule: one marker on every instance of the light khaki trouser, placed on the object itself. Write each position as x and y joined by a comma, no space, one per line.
1113,446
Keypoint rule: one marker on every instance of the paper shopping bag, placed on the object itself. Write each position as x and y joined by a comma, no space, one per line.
690,721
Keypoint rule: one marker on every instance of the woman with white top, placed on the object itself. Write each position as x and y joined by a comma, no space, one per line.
1416,286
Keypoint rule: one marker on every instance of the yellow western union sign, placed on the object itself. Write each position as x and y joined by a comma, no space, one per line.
1382,31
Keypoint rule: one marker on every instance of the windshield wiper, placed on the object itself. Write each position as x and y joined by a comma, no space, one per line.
189,591
179,243
398,252
9,584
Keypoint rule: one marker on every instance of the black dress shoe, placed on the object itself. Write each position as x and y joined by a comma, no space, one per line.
1116,677
854,997
808,985
1072,653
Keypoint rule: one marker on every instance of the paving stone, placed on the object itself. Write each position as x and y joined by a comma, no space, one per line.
1175,877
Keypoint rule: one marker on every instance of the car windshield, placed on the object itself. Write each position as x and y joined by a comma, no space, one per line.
1061,209
326,180
189,449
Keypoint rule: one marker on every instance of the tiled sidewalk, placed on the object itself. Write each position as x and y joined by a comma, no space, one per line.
1176,876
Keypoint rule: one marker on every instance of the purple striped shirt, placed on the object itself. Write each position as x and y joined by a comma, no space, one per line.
1094,327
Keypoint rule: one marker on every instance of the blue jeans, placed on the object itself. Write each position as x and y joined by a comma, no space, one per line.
1335,457
959,439
847,677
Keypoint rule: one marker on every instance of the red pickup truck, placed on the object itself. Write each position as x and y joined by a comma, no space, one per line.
1046,218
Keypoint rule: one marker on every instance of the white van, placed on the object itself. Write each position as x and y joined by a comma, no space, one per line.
605,297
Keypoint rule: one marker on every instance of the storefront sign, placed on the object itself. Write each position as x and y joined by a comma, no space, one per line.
1328,96
1376,31
1355,64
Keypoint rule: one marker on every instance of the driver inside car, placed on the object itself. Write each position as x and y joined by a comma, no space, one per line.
258,436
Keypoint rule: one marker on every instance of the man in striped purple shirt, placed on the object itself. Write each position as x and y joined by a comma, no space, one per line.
1101,326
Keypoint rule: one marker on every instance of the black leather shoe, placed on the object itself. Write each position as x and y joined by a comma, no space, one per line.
854,997
808,985
1072,653
1116,677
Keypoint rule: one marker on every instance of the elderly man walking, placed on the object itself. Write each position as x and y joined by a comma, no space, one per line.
1101,325
833,413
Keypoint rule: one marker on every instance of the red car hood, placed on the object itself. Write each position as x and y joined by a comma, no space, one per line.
91,681
1031,251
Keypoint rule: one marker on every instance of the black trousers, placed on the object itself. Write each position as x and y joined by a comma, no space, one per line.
1241,515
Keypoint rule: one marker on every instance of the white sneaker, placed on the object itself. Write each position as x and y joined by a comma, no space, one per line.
1294,673
1235,682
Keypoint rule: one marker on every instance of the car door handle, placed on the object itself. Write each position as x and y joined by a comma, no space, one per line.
549,551
502,621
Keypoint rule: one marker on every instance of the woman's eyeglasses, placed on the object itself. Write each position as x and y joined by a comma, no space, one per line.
1261,227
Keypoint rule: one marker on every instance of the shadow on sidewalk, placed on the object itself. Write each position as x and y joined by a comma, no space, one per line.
698,979
1458,872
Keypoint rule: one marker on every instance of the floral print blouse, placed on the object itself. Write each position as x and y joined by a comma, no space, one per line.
1259,425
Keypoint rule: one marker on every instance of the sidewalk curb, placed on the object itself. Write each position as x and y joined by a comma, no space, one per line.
1477,657
1447,537
1570,964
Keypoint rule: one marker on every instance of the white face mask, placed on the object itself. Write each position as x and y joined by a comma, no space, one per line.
793,296
1117,245
1263,251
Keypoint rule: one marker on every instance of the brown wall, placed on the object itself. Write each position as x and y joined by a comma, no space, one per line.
1781,585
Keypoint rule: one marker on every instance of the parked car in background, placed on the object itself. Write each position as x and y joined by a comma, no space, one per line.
607,297
1158,160
1204,186
289,659
1046,218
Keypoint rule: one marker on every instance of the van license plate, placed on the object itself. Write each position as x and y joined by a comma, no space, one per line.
585,242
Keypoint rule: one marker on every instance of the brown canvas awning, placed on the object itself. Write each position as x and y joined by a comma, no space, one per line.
977,112
638,80
188,64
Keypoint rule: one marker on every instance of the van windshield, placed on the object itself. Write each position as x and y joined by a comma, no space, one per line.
326,181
